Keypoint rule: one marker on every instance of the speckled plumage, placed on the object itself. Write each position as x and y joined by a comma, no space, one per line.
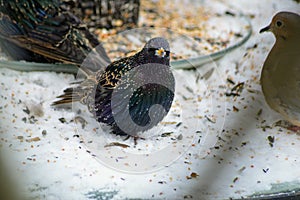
42,31
105,13
98,90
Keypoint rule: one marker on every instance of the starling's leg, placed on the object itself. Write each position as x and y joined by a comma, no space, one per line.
117,131
127,137
135,138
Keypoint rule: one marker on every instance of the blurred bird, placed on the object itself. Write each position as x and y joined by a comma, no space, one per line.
280,77
42,31
107,14
145,77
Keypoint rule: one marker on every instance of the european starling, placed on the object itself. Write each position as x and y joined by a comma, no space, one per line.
43,31
105,13
132,94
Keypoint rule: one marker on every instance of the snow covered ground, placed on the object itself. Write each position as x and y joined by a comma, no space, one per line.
222,146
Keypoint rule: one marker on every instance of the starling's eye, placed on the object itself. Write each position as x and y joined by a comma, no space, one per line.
167,54
278,23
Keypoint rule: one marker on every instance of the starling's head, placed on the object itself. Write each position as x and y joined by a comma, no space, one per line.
157,50
284,25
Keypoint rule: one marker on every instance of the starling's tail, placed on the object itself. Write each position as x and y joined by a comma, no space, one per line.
70,95
80,92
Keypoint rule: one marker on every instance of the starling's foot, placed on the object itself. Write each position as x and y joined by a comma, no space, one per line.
287,125
135,138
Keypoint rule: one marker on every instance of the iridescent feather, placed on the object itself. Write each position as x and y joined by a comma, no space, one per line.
97,91
42,31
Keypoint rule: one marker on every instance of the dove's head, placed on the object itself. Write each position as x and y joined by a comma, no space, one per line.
284,25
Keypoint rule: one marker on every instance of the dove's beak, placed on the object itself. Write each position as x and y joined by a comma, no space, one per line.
265,29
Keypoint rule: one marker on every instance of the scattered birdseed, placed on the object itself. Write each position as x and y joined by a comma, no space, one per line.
194,30
242,169
266,170
20,137
26,110
235,179
179,124
81,120
166,134
35,139
62,120
271,140
192,175
44,133
230,81
179,137
162,182
259,112
188,196
117,144
235,109
210,119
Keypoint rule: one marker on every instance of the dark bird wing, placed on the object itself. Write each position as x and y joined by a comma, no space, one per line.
102,81
96,91
45,29
142,98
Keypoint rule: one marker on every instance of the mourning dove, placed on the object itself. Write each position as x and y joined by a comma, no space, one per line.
280,77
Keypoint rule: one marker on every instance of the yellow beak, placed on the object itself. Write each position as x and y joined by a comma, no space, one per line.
160,52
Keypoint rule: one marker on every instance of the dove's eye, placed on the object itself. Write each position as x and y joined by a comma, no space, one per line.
278,24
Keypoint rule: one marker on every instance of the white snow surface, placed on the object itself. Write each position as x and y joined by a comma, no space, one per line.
219,150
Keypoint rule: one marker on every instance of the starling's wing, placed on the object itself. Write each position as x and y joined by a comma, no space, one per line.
95,90
144,98
139,102
107,81
110,78
9,29
51,32
145,108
